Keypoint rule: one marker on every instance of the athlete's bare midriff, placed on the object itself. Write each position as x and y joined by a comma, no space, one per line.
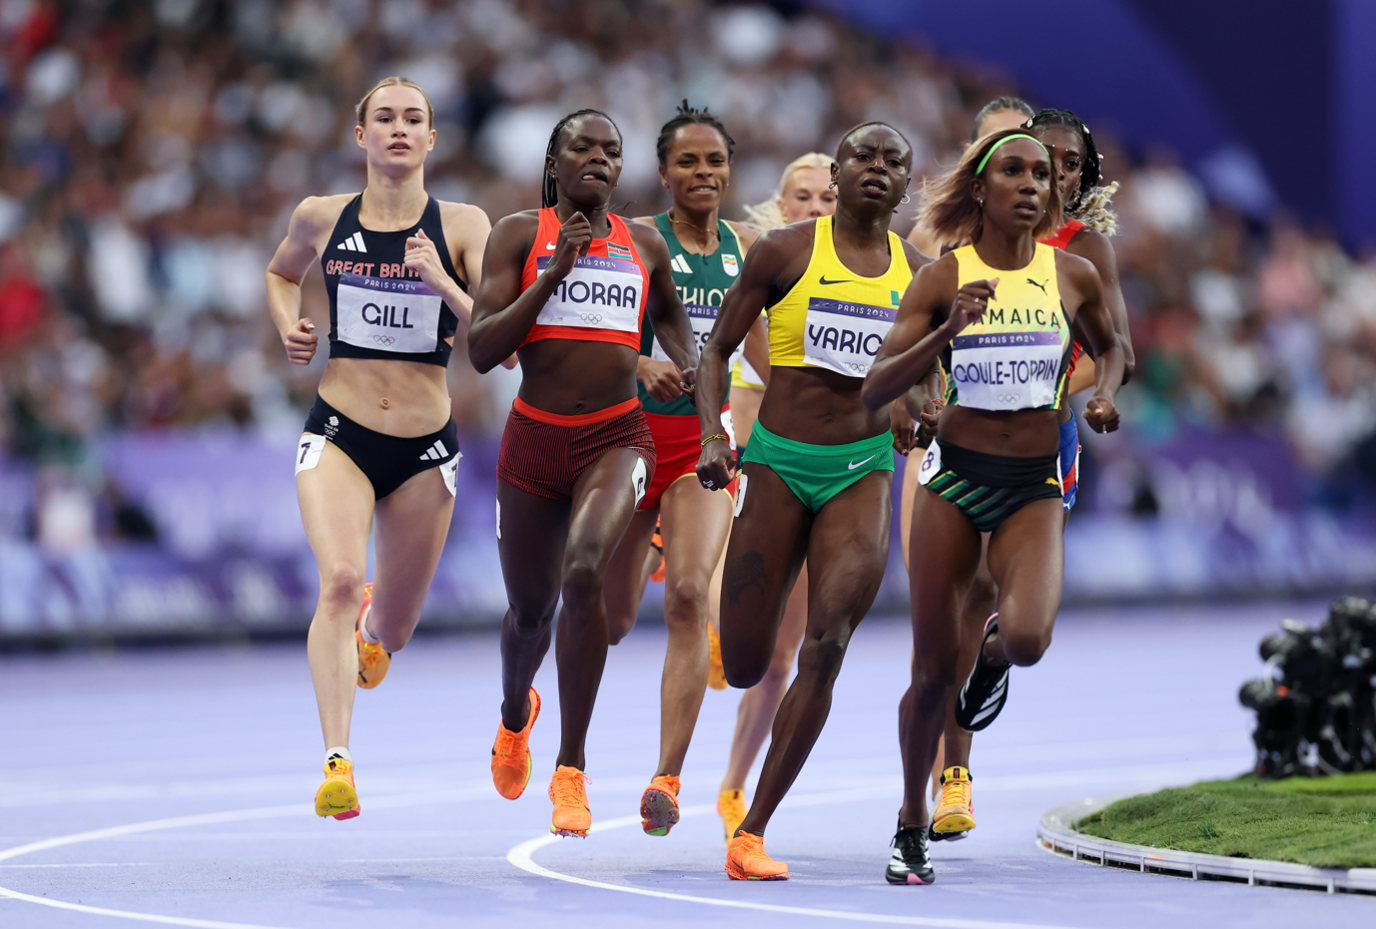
818,406
570,377
397,398
1015,434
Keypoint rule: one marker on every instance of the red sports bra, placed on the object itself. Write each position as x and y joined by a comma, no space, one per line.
602,299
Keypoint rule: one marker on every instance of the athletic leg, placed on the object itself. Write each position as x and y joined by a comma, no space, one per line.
1027,560
531,530
603,503
337,509
627,574
410,526
696,524
939,580
848,550
760,703
766,551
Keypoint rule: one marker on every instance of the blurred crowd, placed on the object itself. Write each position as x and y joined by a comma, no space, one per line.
150,154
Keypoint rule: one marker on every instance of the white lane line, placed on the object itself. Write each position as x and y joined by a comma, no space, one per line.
90,864
125,914
522,857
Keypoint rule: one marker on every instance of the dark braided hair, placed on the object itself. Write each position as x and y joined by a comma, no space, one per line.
998,105
873,122
549,193
1089,171
691,116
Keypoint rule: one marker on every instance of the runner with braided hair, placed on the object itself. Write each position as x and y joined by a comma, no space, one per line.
568,288
706,253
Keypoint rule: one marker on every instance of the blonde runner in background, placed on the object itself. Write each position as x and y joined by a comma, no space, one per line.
804,192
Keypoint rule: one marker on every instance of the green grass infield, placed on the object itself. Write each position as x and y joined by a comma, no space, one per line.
1327,822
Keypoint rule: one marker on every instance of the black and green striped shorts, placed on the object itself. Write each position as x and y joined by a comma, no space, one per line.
988,488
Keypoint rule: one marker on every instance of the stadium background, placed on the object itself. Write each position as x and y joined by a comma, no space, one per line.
150,154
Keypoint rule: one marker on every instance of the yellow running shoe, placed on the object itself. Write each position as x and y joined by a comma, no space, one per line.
511,761
731,809
337,797
569,791
659,805
716,674
746,860
955,811
373,659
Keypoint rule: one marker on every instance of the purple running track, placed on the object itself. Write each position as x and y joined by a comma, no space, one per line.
186,779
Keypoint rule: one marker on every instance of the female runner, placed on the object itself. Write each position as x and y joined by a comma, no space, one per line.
706,253
568,285
804,192
816,478
1085,233
380,449
993,465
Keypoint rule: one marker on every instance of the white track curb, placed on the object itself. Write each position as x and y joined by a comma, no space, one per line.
1057,834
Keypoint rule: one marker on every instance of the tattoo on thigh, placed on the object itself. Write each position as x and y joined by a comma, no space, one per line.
748,571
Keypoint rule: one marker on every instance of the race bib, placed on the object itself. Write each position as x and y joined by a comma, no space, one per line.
308,451
931,464
388,315
844,337
599,293
702,318
450,472
1007,370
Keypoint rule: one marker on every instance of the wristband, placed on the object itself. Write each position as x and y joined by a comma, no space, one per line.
713,438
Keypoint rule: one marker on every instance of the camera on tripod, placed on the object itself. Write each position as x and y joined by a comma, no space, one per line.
1316,704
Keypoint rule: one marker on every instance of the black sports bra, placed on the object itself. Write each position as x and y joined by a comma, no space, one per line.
378,307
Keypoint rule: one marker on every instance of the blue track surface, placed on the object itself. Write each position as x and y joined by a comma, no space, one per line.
224,744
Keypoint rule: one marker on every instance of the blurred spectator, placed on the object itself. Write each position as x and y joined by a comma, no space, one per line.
150,154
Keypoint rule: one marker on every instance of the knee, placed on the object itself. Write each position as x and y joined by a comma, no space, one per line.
582,585
530,618
821,658
1024,648
341,588
685,602
619,626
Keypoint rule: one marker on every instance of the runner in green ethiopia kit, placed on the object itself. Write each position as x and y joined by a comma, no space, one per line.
706,258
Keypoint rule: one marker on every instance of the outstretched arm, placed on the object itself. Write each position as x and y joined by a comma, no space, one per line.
665,309
739,311
1094,327
911,350
1098,250
503,314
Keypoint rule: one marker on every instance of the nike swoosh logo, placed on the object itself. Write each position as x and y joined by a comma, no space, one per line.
823,280
852,466
549,245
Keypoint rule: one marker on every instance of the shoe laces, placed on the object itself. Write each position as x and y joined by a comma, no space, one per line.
668,781
956,791
569,788
506,746
749,845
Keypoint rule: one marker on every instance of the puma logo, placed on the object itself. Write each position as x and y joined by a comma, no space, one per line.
1041,287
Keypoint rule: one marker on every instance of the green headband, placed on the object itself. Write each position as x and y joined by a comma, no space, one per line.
995,147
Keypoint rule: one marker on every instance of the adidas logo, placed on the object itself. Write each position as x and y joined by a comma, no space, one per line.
680,264
435,452
353,243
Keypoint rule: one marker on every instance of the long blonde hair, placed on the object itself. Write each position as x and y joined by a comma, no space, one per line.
951,213
361,110
767,215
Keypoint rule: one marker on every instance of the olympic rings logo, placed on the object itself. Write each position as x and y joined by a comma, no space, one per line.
857,367
1008,398
384,339
592,318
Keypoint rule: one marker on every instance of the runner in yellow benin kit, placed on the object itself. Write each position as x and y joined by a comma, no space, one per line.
804,193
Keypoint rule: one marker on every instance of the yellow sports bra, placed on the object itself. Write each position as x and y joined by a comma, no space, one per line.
833,318
1018,356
